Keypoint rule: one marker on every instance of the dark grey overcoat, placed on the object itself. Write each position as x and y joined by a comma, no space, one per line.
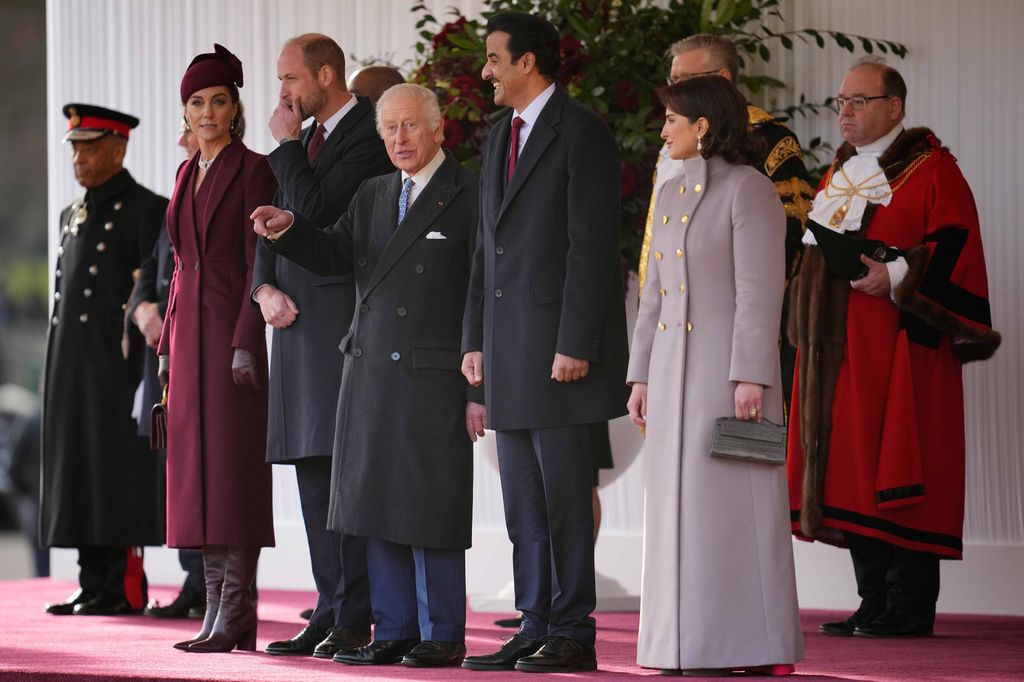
101,483
304,388
403,467
546,274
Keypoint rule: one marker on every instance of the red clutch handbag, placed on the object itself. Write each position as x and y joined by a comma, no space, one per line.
158,424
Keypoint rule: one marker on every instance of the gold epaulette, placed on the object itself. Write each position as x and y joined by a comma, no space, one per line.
757,116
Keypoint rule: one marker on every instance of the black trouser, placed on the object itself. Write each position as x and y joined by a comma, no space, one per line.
891,577
114,572
338,561
191,561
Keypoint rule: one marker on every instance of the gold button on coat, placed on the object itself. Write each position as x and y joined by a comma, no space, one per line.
697,187
685,218
689,326
658,255
661,326
682,288
682,189
662,292
679,253
664,220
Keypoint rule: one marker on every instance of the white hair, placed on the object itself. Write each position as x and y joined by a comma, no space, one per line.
429,105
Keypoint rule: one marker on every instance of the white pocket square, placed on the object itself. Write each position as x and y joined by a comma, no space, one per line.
435,235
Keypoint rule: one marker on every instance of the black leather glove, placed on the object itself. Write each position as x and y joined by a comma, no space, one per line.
163,372
244,372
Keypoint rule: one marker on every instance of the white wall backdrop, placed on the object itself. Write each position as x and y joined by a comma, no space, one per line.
964,81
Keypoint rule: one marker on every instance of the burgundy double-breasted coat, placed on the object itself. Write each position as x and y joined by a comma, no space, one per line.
218,482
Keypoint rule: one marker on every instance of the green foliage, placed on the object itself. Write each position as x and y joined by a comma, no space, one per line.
614,60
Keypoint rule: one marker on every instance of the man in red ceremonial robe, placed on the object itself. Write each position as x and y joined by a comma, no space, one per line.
876,436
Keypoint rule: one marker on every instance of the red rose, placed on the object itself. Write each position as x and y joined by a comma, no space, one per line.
453,134
465,84
625,96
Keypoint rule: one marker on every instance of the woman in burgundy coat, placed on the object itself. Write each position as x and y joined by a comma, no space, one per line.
213,356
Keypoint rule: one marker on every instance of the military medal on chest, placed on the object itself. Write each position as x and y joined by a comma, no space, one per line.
81,214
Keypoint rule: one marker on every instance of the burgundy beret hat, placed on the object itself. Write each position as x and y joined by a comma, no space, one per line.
219,67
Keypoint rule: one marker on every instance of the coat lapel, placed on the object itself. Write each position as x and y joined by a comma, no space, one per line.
494,170
541,137
436,196
325,160
231,163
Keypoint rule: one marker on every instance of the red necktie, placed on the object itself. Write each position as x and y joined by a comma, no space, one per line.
315,143
513,146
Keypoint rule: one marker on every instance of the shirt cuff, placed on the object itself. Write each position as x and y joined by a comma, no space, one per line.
897,271
277,235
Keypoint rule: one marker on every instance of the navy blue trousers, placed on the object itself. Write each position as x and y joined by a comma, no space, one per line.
417,592
546,484
338,561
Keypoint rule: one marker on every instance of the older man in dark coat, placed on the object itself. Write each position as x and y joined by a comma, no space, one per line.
403,471
101,485
318,171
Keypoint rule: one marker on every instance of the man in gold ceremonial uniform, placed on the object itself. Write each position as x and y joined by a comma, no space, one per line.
704,55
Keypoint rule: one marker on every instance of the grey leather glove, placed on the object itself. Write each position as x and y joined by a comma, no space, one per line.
163,372
244,372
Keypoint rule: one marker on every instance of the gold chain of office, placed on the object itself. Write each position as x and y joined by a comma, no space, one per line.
861,189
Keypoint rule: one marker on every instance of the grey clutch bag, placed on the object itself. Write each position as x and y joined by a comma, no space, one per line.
751,441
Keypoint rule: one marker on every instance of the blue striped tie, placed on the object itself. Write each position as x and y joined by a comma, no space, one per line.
403,199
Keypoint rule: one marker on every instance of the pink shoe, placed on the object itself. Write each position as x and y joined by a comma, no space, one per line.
777,670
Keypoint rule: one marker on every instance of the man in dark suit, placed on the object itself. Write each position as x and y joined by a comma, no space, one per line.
318,171
545,325
403,467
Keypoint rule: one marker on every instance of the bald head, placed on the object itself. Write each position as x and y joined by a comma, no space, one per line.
372,81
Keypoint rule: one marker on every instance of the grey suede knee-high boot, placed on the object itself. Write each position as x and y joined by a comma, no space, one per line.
235,625
214,562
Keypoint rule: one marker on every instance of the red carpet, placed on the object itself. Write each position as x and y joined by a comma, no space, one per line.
36,646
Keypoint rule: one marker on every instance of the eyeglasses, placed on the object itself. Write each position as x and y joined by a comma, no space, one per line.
686,76
857,103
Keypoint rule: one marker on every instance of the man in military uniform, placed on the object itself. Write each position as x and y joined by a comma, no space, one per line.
101,488
704,55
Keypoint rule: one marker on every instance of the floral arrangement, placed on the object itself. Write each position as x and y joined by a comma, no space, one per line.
613,59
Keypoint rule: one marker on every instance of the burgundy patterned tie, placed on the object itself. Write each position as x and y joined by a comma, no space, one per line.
316,143
513,146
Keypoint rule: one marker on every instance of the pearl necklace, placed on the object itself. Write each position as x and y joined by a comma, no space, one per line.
204,164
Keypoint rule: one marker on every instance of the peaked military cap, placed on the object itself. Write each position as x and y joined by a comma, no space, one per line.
90,122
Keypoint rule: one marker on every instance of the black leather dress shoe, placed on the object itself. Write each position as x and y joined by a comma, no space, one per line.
431,654
514,623
506,657
560,654
377,652
895,623
845,628
179,608
301,644
103,605
67,607
340,639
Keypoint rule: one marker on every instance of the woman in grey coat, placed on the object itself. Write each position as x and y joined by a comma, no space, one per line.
718,591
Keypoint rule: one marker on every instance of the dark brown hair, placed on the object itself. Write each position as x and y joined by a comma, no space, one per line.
717,100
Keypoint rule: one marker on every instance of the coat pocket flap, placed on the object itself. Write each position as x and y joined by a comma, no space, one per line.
346,343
